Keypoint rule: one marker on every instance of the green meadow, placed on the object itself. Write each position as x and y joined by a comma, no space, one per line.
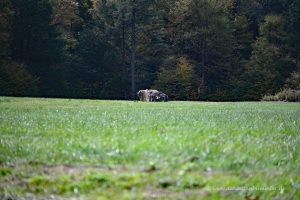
96,149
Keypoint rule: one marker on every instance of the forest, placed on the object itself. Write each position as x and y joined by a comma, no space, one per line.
198,50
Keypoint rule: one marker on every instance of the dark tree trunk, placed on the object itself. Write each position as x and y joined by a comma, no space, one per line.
133,52
123,41
238,6
123,57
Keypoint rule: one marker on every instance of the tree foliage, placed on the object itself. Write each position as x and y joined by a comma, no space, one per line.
190,49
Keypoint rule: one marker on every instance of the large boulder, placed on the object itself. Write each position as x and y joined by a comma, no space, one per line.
152,96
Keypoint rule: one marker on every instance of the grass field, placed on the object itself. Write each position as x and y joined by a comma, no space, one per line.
88,149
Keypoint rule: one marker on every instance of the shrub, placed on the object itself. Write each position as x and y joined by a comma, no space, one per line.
270,98
289,95
16,80
293,82
284,95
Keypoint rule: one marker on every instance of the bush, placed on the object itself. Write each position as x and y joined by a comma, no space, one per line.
293,82
15,80
270,98
291,91
289,95
284,95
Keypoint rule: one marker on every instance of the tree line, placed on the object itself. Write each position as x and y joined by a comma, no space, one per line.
219,50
